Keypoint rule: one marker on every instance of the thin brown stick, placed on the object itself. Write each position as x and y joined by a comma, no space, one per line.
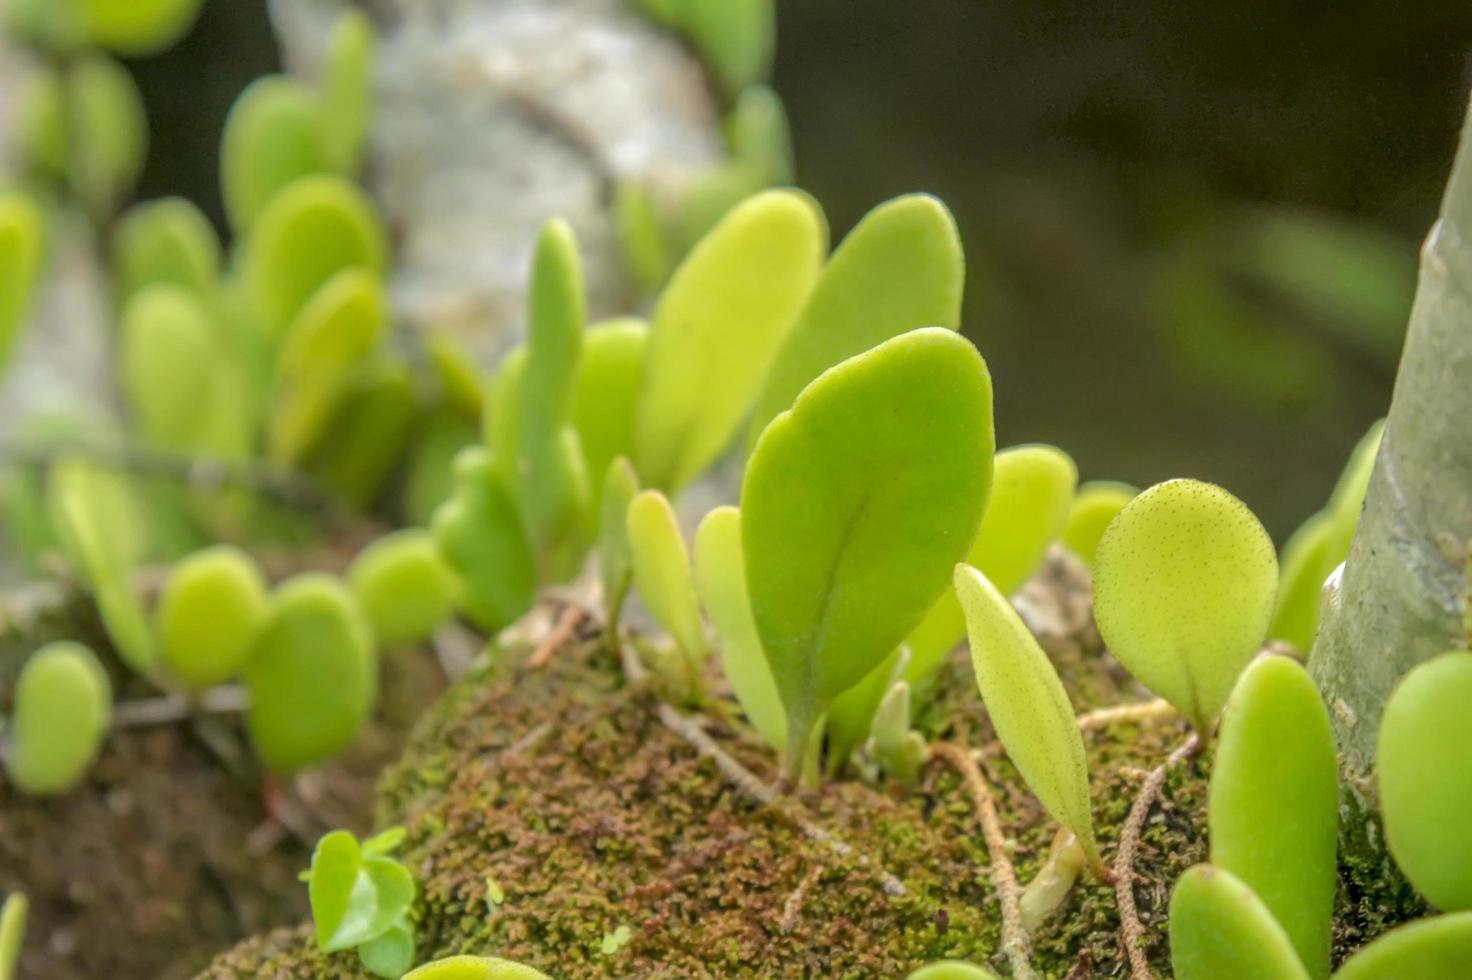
1014,937
792,908
1131,929
568,621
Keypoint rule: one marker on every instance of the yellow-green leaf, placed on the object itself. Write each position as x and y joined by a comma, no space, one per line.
952,970
758,133
22,227
208,614
404,586
168,240
1220,930
641,235
607,388
735,38
12,932
270,140
1095,506
166,363
479,532
662,573
347,90
110,131
615,562
475,968
369,431
135,27
1438,948
63,704
1307,559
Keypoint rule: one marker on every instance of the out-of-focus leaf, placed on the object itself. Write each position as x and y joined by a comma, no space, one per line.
758,134
211,607
475,968
735,38
347,90
135,27
662,573
952,970
271,139
365,440
168,240
461,379
615,561
22,243
641,235
110,131
1096,504
63,704
1438,948
166,364
479,532
1220,930
390,954
404,587
12,932
431,467
606,390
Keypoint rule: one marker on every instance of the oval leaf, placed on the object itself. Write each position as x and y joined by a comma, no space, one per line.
168,349
63,705
615,563
1220,930
952,970
1095,506
21,229
12,932
404,586
347,90
208,615
662,573
168,240
1438,948
607,388
270,139
479,532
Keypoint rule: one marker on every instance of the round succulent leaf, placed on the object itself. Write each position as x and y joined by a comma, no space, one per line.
404,586
347,90
136,27
900,268
1028,706
208,615
856,505
662,573
1220,930
475,968
479,533
952,970
22,230
606,390
389,954
1094,507
41,131
12,932
168,349
720,580
716,328
1274,801
1425,778
63,705
106,116
165,241
270,140
1436,948
1184,582
312,674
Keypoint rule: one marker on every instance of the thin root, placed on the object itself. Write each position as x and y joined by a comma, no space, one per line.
572,616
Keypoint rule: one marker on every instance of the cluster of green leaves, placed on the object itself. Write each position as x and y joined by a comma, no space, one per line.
361,899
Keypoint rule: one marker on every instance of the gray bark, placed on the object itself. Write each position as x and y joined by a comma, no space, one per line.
1398,598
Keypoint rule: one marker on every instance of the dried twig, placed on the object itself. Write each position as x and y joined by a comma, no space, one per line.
792,908
1131,929
1014,937
177,707
569,620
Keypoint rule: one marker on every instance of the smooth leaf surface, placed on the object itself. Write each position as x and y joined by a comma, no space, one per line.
270,140
952,970
109,131
1425,778
405,588
97,516
850,718
735,38
347,90
475,968
1028,706
606,390
166,364
1274,802
479,532
856,506
1094,507
63,705
899,269
12,933
1184,582
390,954
1438,948
716,329
662,574
1220,930
615,561
641,235
369,432
22,228
758,134
135,27
1307,559
343,898
168,240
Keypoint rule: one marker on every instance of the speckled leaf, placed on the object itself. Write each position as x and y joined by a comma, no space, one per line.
856,505
607,388
1274,804
720,578
63,704
12,933
615,563
404,586
270,140
662,573
22,226
1028,706
1438,948
211,607
1094,507
900,268
475,968
347,90
716,329
1220,930
1425,778
479,532
1184,581
168,240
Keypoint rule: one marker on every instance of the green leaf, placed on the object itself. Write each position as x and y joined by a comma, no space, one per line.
720,579
41,130
22,227
63,705
1274,810
759,135
110,131
347,90
898,750
393,887
404,586
12,933
1028,706
168,240
343,898
900,268
662,573
735,38
98,518
479,532
855,507
385,843
270,140
1307,559
136,27
1425,778
1032,488
475,968
369,431
312,674
461,379
312,229
716,329
1220,930
615,561
850,719
127,625
606,390
641,236
441,436
712,195
1438,948
952,970
390,954
167,363
1184,581
1094,507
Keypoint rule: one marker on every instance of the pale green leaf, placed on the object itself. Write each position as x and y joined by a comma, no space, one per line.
1094,507
109,131
63,705
12,933
615,563
342,897
716,329
479,532
856,506
135,27
461,378
475,968
1221,930
1274,804
712,195
662,574
1438,948
406,589
431,466
393,888
166,363
607,388
1184,581
1307,559
98,518
641,235
389,954
126,623
270,140
22,227
952,970
384,843
735,38
758,133
168,240
347,90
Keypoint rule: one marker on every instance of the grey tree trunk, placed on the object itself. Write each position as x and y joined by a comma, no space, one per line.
1398,600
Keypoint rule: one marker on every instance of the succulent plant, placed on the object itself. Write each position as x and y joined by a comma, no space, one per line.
1219,929
615,558
404,587
1438,948
662,572
1094,507
480,535
952,970
208,615
63,705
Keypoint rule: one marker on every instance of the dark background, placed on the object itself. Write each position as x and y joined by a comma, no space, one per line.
1191,226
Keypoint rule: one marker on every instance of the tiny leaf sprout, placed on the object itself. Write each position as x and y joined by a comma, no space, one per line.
1183,589
952,970
662,573
63,705
716,328
1032,487
606,390
361,899
479,533
1028,707
1438,948
22,248
164,241
12,933
475,968
615,560
1425,778
897,749
614,942
899,269
404,586
720,580
1097,503
1219,928
854,510
208,615
312,673
1276,746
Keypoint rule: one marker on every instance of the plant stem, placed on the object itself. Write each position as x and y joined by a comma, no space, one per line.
169,708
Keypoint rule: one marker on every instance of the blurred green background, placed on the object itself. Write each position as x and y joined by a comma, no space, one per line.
1191,227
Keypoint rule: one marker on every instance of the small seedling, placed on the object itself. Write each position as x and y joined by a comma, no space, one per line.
22,232
475,968
662,573
63,705
614,942
479,533
404,587
12,933
361,899
312,674
1425,778
615,560
898,750
208,615
1276,746
1438,948
855,508
1220,929
1028,707
1095,506
1183,590
165,241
